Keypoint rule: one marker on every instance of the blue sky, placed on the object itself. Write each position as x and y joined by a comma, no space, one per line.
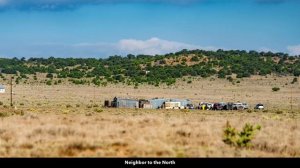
100,28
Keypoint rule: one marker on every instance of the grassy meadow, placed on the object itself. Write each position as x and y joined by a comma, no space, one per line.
69,120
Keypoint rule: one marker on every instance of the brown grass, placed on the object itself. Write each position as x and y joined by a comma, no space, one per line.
144,133
67,120
256,89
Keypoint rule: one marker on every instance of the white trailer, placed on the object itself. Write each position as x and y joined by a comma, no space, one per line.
173,105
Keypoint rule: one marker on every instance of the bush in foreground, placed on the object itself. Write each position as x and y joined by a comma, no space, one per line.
243,138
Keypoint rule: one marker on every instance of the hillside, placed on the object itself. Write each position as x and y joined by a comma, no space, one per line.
67,119
153,70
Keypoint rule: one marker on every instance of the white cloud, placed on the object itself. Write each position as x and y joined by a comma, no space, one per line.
152,46
266,49
294,50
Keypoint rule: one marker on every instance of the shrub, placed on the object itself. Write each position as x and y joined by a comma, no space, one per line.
104,84
294,80
136,86
185,110
21,104
221,75
249,111
4,114
239,139
95,105
195,59
18,80
230,79
23,76
229,135
1,103
98,110
189,82
88,114
246,135
68,106
49,75
162,61
275,89
49,82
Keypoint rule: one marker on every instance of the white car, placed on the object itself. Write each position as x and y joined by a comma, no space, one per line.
259,107
238,106
246,106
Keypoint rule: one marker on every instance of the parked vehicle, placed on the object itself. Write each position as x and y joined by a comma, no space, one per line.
189,106
219,106
205,106
209,106
238,106
246,106
259,106
228,106
202,106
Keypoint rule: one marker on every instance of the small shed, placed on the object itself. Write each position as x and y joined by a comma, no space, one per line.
2,89
125,103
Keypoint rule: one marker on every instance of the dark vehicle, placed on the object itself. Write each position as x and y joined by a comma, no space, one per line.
228,106
190,106
219,106
259,106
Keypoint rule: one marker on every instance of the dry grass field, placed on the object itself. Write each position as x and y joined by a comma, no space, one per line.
68,120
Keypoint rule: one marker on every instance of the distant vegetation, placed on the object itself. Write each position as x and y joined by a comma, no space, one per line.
275,89
154,70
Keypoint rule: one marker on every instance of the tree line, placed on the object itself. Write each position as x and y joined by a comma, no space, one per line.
155,70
